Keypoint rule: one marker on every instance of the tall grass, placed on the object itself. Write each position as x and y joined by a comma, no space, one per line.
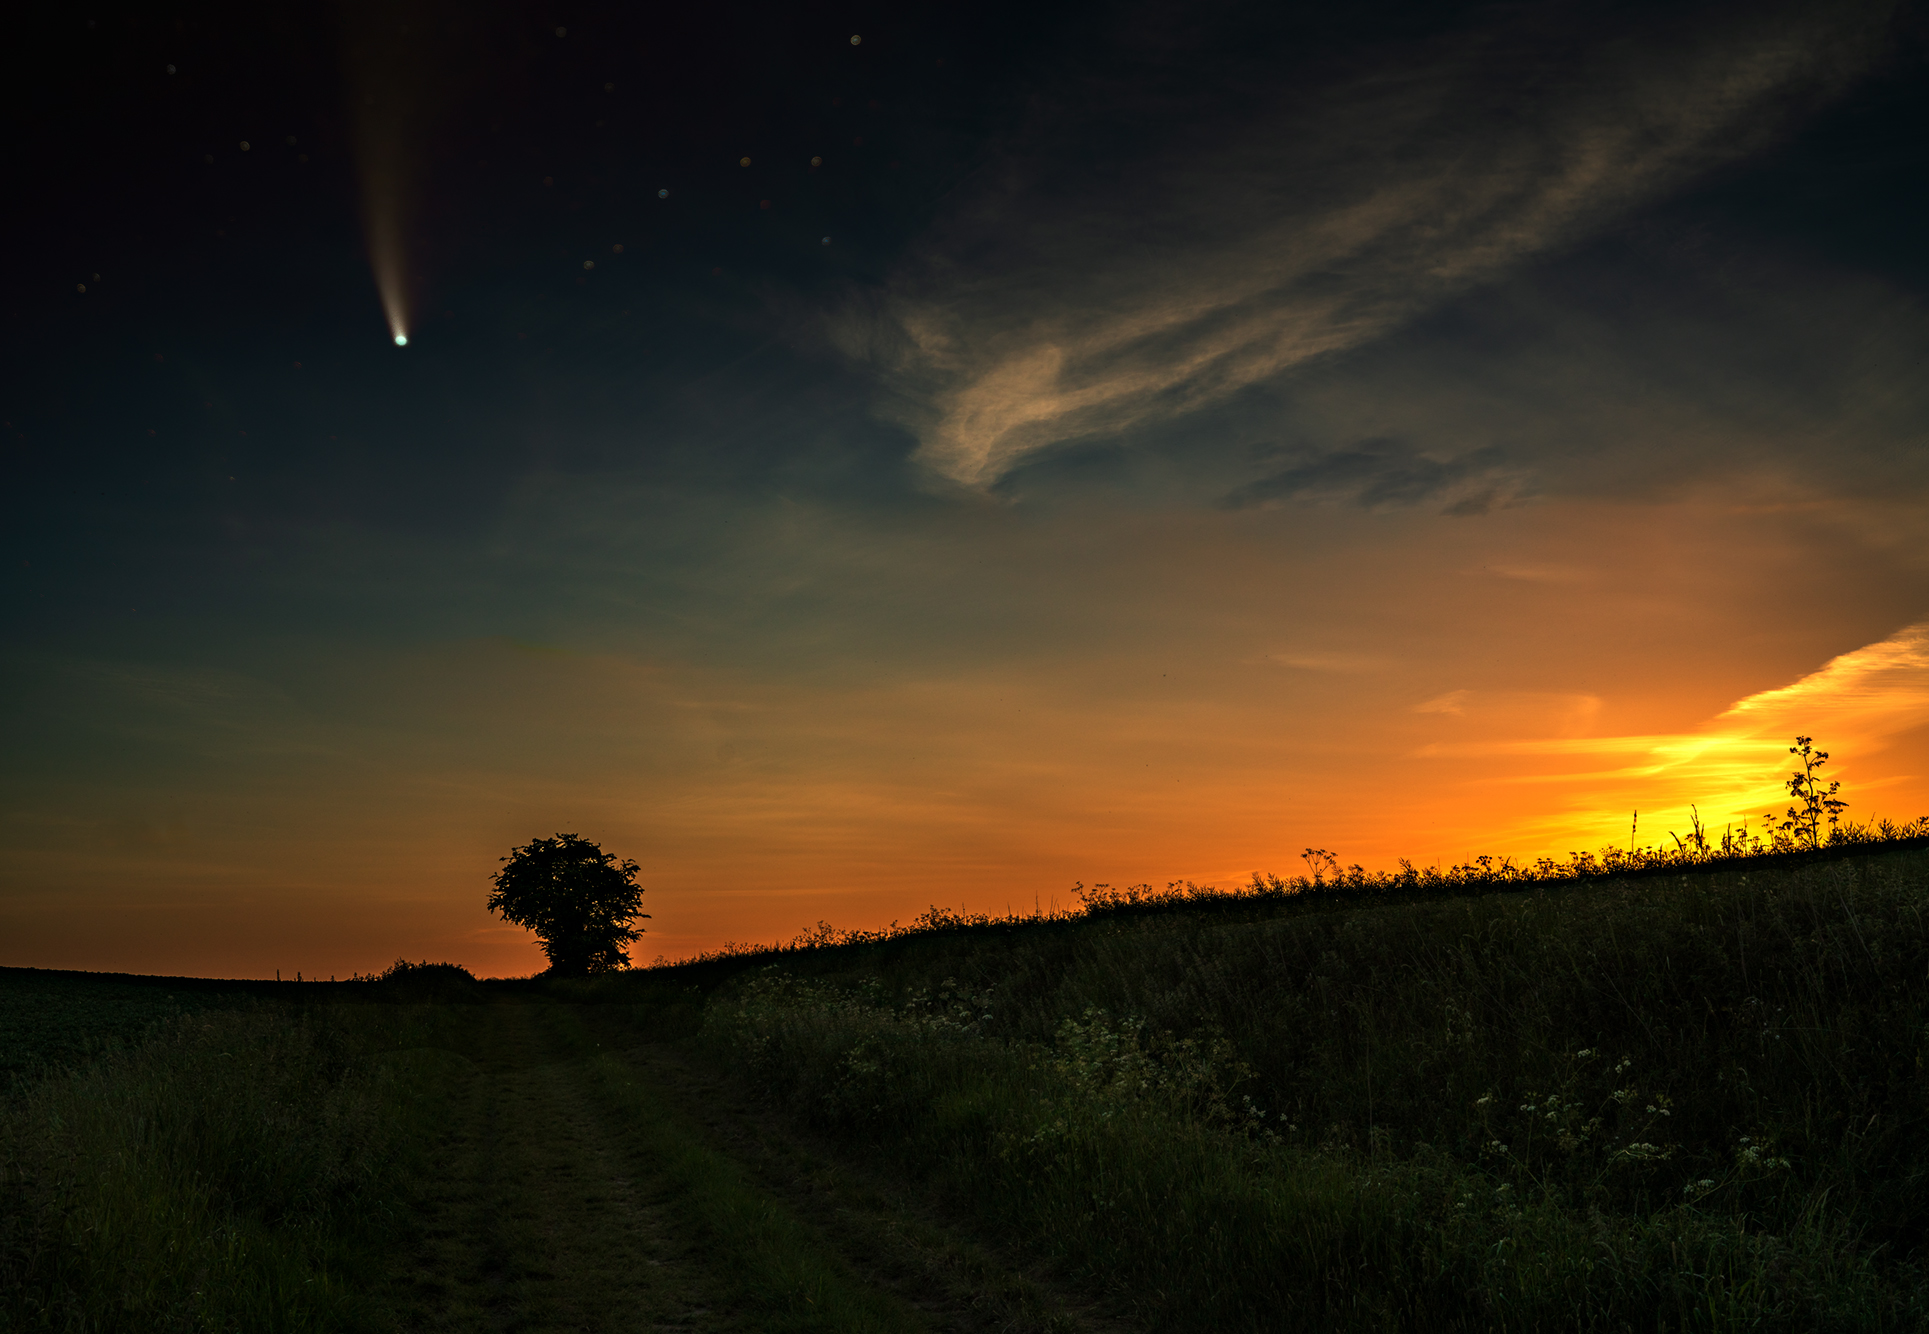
1326,881
227,1174
1680,1101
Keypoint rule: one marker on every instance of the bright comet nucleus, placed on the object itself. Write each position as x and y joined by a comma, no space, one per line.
401,340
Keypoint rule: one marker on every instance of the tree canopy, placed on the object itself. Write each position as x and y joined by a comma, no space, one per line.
579,900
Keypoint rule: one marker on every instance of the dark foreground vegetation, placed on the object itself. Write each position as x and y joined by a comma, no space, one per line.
207,1157
1687,1101
1670,1097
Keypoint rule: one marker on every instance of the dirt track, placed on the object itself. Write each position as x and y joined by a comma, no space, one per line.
590,1182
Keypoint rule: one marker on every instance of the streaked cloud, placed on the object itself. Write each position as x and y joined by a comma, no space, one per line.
1341,662
1453,702
1539,574
1878,689
1315,225
1380,474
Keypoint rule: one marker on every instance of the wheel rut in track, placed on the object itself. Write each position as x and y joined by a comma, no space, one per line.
586,1181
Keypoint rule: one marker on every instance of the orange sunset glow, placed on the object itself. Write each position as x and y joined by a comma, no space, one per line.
915,476
990,777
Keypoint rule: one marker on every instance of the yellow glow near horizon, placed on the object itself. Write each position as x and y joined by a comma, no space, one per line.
1734,766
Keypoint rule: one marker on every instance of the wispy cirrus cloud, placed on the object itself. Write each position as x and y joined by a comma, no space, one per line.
1380,474
1881,687
1317,223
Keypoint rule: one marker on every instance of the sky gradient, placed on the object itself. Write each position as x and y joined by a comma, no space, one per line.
1111,444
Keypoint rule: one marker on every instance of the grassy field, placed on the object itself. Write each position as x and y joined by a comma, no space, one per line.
1667,1102
1668,1098
224,1166
52,1019
430,1153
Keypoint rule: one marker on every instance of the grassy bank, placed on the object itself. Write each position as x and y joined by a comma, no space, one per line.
1685,1101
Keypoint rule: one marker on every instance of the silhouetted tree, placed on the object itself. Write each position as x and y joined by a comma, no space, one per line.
578,899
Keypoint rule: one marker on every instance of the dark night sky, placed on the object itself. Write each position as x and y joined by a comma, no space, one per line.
1208,430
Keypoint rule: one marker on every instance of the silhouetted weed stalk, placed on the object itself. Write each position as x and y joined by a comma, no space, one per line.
1649,1090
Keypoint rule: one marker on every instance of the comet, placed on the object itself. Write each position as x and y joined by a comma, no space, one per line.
386,174
383,206
391,104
